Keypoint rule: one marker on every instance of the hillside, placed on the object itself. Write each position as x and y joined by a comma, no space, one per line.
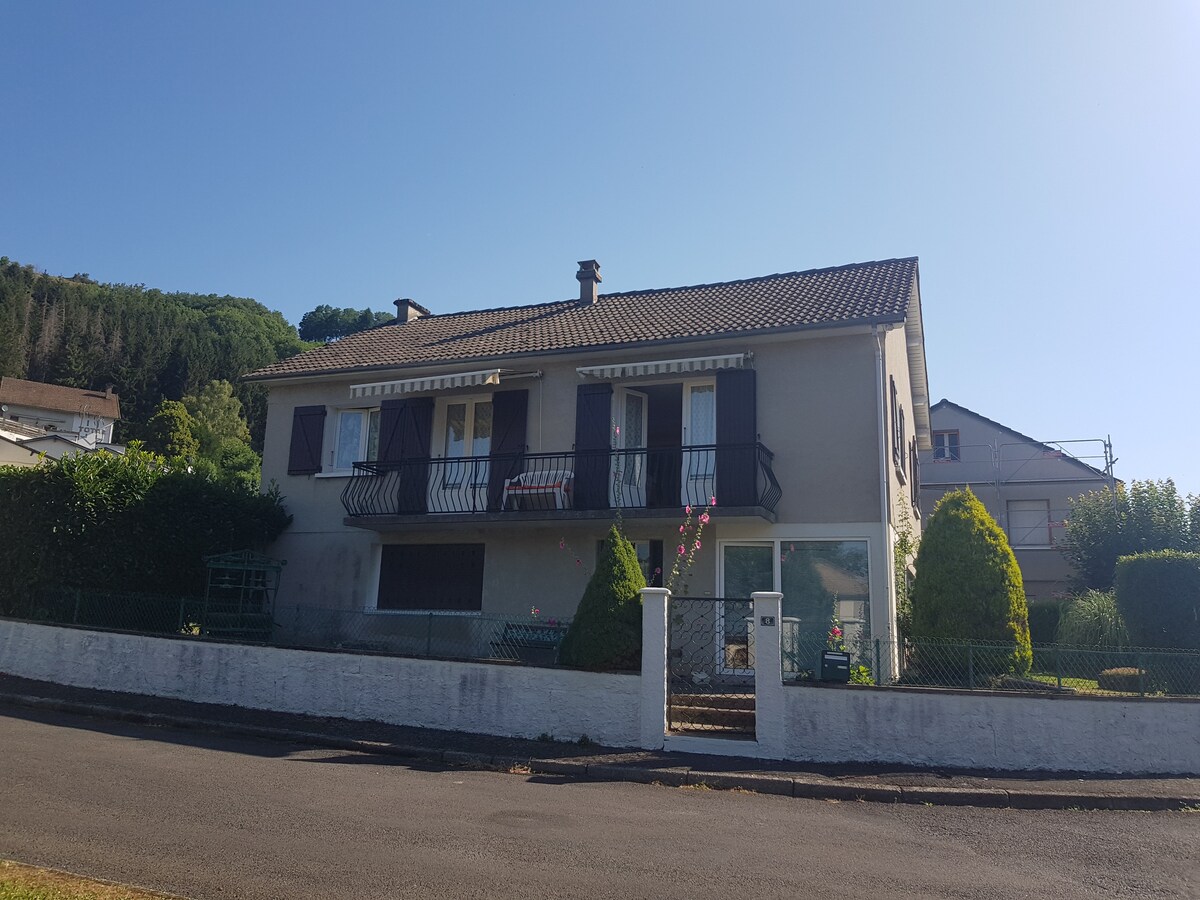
148,344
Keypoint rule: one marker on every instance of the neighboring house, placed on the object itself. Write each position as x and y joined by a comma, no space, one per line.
470,463
1027,485
83,417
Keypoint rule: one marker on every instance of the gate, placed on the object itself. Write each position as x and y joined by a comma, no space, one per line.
710,666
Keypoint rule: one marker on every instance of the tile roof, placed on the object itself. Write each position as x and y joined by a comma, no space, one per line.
39,395
818,298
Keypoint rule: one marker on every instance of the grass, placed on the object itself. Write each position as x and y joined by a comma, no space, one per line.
21,882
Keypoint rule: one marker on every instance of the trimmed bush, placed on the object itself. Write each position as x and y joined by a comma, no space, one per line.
968,586
1159,597
1044,616
606,632
1125,679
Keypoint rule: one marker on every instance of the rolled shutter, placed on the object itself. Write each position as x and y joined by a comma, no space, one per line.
593,444
737,437
509,416
308,431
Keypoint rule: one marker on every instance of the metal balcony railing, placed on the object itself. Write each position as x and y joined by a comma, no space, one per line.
577,480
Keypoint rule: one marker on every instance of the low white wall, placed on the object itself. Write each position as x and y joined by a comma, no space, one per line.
991,731
517,701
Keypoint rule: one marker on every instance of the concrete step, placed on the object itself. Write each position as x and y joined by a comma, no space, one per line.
714,701
708,717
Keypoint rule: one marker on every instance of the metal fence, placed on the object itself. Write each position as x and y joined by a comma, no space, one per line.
710,666
529,640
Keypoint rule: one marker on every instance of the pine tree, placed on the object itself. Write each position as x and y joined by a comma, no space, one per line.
606,632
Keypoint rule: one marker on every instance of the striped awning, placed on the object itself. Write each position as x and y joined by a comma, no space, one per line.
666,366
429,383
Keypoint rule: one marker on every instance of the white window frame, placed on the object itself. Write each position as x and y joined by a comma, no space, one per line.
362,452
951,454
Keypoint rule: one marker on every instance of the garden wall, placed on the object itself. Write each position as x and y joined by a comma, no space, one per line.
980,730
516,701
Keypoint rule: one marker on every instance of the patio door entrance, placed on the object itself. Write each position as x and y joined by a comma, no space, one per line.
460,483
699,431
628,476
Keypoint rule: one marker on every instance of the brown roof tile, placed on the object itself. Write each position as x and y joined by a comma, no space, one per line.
39,395
862,292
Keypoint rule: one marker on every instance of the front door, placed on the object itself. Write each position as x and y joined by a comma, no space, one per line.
628,475
461,481
699,438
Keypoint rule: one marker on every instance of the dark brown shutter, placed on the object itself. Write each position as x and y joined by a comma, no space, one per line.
308,430
405,431
664,437
509,414
593,445
737,436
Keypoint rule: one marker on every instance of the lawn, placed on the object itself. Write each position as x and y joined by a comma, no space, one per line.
21,882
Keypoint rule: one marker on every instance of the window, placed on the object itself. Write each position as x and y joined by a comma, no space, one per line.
431,577
914,487
945,446
357,437
1029,523
895,424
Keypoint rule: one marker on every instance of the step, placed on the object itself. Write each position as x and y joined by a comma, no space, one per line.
699,716
714,701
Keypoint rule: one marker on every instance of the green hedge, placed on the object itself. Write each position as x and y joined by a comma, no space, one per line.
1158,594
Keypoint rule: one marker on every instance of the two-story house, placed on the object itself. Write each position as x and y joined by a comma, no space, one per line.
80,419
470,463
1027,485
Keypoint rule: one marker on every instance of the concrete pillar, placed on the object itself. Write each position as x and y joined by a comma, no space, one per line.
768,676
654,666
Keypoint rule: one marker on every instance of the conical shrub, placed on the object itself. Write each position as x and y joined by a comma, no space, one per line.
606,632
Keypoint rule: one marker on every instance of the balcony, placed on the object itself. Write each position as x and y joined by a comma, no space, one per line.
643,483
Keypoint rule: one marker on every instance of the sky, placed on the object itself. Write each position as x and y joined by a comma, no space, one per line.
1041,158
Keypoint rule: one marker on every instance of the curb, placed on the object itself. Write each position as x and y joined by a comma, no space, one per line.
764,783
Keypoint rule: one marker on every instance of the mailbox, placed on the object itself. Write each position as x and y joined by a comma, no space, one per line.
835,666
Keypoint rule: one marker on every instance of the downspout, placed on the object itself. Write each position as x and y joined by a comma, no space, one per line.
885,510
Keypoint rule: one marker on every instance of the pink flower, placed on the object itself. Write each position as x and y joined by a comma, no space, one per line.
681,529
618,431
562,544
704,518
681,549
712,501
688,510
697,545
578,561
658,570
837,632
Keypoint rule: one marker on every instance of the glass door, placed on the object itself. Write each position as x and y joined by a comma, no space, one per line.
628,476
699,431
463,481
745,568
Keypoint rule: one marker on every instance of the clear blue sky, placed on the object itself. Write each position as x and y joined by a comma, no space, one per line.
1041,158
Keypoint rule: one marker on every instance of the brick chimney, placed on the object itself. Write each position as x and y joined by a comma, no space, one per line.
589,278
407,310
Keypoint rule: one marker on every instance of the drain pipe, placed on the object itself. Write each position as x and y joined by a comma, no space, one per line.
885,508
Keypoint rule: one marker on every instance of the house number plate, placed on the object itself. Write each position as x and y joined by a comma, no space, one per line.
766,620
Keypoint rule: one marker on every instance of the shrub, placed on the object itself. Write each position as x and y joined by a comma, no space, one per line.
1044,616
968,585
1159,597
606,632
1125,679
1093,620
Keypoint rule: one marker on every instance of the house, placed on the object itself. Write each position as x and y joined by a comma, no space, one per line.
1026,485
470,463
84,418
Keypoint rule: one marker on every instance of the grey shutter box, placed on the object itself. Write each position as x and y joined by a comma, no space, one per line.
308,430
737,436
593,445
509,414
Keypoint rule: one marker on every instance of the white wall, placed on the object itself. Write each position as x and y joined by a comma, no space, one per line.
989,731
516,701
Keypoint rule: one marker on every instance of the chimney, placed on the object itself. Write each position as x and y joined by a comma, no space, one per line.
407,310
589,277
108,390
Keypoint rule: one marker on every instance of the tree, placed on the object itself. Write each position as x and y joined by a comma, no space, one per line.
1106,525
171,431
606,632
218,417
326,323
968,586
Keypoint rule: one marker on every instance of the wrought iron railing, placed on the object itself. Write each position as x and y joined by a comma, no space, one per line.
710,666
738,475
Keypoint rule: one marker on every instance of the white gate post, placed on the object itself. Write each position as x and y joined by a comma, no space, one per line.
654,666
768,675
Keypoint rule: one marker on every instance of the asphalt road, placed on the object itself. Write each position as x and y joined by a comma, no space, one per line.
217,817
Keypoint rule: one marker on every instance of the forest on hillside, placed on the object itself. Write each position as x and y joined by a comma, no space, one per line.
149,345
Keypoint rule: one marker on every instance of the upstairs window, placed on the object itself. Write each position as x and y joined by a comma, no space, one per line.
945,446
1029,523
357,437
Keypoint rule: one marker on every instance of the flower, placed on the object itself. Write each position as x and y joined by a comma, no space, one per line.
681,549
688,509
712,501
697,545
837,632
658,570
578,561
704,518
533,611
562,543
682,529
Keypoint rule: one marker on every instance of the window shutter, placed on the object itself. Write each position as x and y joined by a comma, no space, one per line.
509,415
593,444
308,430
405,430
737,436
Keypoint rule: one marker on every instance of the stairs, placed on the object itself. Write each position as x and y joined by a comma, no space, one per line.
714,715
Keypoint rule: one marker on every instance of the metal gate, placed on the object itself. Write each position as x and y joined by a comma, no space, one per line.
710,666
